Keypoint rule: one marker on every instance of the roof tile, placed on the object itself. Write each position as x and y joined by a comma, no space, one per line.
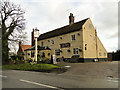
63,30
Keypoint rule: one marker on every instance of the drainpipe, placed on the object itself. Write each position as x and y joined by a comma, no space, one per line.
96,44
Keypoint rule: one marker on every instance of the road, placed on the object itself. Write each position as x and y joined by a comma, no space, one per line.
28,79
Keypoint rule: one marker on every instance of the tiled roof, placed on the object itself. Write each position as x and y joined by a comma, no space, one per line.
24,47
63,30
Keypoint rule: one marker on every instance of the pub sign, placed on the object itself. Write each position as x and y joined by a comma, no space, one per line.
64,45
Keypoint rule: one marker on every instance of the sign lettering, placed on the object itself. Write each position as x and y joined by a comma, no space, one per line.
64,45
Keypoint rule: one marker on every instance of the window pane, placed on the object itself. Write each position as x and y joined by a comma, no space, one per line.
52,41
57,52
26,53
41,43
76,50
85,46
32,53
73,37
104,54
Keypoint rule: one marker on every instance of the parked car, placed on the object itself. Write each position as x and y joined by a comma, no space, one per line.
74,58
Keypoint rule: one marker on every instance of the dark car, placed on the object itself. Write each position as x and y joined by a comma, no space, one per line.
74,58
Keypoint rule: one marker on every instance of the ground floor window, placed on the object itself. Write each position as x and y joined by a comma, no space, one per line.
104,54
75,50
85,46
57,52
99,53
32,53
26,53
42,54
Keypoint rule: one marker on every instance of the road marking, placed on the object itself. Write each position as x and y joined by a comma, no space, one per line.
3,76
38,84
112,81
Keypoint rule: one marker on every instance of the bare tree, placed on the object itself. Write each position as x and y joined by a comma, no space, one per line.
12,23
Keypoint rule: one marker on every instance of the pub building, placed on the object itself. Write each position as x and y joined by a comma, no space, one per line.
76,39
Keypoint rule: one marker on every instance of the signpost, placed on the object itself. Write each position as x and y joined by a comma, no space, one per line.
36,35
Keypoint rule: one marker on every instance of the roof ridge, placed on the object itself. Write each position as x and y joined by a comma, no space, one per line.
64,26
63,30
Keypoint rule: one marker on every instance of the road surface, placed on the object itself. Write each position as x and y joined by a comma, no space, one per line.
29,79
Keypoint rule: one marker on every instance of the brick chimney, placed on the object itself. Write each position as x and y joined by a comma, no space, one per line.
19,43
32,38
71,19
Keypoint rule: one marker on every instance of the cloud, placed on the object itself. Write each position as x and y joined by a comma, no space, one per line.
48,15
114,35
104,16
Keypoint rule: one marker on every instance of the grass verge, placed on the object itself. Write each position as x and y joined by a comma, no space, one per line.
29,67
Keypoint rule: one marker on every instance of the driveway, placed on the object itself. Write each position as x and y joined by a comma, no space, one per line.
92,69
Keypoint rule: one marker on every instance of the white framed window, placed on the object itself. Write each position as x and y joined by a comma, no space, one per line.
104,54
99,53
32,53
57,52
42,54
75,50
52,42
73,37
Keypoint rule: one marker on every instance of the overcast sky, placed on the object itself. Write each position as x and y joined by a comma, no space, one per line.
48,15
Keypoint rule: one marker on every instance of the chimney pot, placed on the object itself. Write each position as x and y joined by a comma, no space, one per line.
71,19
